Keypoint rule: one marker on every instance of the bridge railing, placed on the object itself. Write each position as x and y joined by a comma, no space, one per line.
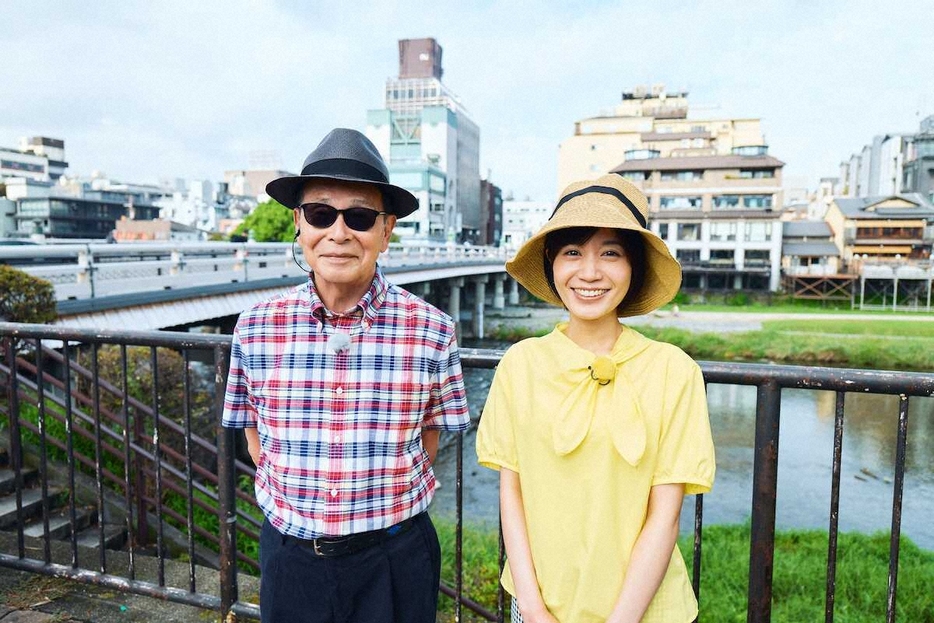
84,271
67,393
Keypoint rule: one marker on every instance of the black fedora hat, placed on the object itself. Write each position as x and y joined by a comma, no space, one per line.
346,155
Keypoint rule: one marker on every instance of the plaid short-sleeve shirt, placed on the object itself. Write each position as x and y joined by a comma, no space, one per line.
341,431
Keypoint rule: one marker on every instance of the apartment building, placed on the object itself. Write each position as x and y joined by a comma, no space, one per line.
882,229
652,119
719,214
715,193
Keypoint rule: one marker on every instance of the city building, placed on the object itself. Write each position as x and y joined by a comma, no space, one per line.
38,158
719,214
52,149
877,169
251,182
918,168
521,219
650,121
715,194
889,228
72,217
491,213
811,262
159,230
431,146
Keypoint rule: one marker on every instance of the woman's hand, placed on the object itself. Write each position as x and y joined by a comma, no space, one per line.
540,616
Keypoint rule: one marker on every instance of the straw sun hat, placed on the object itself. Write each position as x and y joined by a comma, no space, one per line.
613,202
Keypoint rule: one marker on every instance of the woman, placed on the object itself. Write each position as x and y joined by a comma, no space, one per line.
597,431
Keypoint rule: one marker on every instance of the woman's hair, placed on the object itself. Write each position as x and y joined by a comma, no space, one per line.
633,245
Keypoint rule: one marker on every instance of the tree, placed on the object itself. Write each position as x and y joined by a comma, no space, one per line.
24,298
268,222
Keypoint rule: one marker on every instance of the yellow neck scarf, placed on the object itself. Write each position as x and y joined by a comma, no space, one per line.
590,374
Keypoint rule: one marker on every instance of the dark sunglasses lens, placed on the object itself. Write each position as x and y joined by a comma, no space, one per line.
360,219
320,216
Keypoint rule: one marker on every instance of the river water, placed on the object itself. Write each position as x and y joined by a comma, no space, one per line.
804,468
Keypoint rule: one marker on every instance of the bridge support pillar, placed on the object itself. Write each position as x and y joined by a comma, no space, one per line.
499,301
479,301
513,292
454,302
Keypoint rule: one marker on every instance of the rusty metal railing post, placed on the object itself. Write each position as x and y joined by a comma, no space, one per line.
226,493
764,490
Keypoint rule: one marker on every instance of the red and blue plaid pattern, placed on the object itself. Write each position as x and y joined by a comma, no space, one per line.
341,432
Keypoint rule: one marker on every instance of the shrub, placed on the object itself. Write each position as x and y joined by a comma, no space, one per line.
24,298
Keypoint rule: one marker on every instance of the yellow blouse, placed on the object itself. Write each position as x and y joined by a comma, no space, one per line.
588,447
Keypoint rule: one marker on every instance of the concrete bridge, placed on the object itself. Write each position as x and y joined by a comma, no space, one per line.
160,286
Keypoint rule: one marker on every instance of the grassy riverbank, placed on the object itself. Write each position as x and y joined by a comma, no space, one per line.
878,344
799,575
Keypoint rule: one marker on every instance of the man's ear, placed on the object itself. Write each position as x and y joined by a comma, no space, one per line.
387,230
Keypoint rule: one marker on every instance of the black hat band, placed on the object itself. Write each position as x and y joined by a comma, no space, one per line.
343,167
606,190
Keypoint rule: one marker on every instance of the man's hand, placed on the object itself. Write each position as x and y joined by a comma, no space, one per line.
252,444
430,442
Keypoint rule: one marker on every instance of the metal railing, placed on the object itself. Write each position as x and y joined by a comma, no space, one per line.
161,459
84,271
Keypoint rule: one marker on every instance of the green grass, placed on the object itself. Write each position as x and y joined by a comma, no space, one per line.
799,577
808,344
876,327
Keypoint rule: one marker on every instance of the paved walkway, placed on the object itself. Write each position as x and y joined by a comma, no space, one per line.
30,598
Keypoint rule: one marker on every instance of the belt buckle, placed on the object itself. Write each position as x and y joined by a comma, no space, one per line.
314,546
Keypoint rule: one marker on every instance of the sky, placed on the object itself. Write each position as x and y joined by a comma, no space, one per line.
144,91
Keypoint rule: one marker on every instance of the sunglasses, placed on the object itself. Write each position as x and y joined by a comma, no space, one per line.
322,216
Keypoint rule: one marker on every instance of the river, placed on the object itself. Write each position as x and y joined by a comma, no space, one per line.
804,468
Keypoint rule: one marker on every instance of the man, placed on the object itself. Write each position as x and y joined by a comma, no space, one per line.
342,386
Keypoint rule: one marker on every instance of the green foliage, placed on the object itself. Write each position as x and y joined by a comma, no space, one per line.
268,222
24,298
799,577
855,344
480,564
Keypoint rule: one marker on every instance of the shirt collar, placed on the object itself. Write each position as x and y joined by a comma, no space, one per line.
368,305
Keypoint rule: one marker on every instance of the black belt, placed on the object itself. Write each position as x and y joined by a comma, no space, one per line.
328,547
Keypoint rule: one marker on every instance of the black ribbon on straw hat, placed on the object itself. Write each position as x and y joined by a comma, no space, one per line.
606,190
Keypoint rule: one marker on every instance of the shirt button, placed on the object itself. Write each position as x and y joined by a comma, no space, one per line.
339,391
333,493
337,438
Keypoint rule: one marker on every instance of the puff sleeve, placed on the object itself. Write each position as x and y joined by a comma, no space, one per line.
496,441
685,451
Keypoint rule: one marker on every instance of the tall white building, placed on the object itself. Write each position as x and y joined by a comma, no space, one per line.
432,147
522,219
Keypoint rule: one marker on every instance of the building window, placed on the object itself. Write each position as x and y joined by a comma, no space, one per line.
723,232
688,256
689,231
721,256
726,202
680,203
758,232
757,257
636,176
682,176
663,231
757,201
756,174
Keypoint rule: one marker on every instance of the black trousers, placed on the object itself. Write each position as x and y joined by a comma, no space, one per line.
394,581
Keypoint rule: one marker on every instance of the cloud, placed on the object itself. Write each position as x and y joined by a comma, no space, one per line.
150,90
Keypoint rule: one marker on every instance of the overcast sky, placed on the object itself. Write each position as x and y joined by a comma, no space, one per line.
162,89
